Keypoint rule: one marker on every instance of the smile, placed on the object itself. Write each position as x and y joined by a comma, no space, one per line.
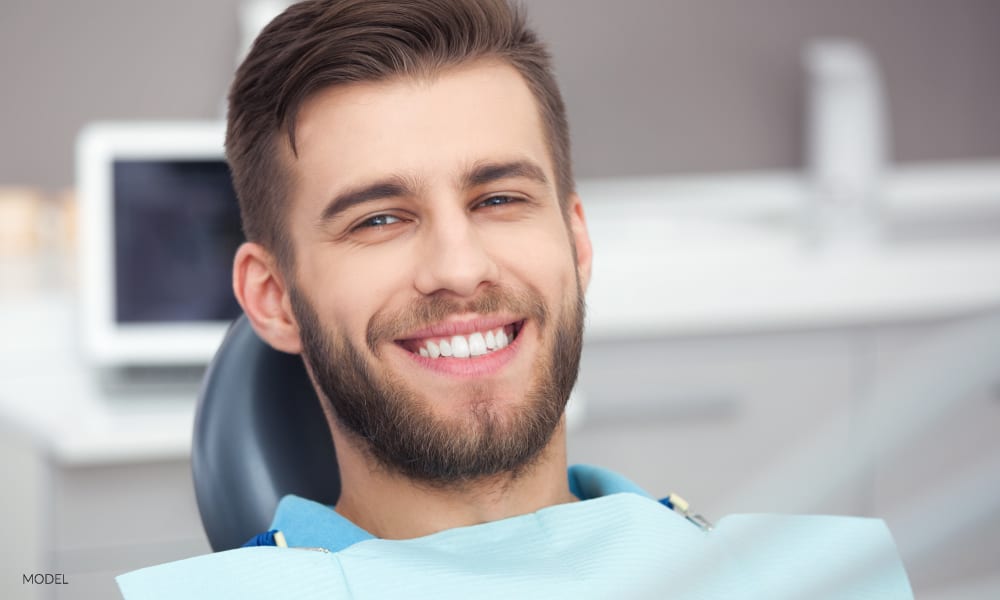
470,345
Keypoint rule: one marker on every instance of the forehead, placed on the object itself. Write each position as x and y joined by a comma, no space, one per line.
420,127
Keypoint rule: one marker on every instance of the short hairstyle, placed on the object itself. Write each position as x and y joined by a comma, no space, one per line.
317,44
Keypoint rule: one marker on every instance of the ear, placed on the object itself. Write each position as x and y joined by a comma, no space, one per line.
581,240
262,292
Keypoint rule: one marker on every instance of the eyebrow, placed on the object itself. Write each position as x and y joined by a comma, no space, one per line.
483,173
393,187
396,186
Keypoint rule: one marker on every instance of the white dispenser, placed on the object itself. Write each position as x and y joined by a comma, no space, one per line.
847,144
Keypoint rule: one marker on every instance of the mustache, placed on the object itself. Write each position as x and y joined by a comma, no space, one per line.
426,311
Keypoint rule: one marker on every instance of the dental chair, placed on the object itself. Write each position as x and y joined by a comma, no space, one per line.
259,434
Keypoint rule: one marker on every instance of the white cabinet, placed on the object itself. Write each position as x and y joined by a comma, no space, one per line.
940,490
92,522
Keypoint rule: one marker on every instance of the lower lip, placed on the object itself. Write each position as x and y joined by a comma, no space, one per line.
475,366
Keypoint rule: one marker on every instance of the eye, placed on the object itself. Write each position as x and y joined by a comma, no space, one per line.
377,221
498,200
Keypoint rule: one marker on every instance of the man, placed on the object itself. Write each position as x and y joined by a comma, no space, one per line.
429,260
404,177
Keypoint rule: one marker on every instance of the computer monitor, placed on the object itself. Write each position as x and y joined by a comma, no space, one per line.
159,225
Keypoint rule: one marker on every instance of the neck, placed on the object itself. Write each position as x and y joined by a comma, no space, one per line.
391,506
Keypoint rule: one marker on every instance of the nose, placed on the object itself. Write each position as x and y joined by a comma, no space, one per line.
453,257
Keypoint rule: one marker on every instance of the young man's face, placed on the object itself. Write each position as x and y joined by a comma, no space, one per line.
425,222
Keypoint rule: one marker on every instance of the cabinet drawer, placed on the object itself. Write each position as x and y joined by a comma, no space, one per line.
705,416
118,505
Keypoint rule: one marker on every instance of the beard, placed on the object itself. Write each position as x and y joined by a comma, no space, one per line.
399,429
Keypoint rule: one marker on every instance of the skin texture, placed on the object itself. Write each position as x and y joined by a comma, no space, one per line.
436,248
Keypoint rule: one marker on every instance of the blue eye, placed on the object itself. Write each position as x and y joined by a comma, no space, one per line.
378,221
498,200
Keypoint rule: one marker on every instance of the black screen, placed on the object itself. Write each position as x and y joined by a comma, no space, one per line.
176,228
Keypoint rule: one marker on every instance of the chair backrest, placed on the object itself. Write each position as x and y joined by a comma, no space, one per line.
260,434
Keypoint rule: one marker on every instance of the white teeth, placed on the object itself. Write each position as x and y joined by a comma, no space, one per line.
459,347
477,344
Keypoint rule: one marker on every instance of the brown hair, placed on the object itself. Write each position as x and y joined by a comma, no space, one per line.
321,43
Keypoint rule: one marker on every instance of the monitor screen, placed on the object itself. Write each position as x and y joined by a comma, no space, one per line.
176,229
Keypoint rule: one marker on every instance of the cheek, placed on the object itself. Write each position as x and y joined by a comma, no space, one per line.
349,290
542,256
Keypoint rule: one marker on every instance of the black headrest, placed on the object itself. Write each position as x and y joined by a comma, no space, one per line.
259,434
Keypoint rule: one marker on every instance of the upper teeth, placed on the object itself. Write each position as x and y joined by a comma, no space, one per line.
462,346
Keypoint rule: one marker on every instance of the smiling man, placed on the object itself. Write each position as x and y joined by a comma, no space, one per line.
403,172
427,256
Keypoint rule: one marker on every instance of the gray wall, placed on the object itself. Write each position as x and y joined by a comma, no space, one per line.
653,86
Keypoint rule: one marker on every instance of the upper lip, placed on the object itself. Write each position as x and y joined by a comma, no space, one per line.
461,327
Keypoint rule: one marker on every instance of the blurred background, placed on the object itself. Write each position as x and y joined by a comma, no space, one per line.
795,208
